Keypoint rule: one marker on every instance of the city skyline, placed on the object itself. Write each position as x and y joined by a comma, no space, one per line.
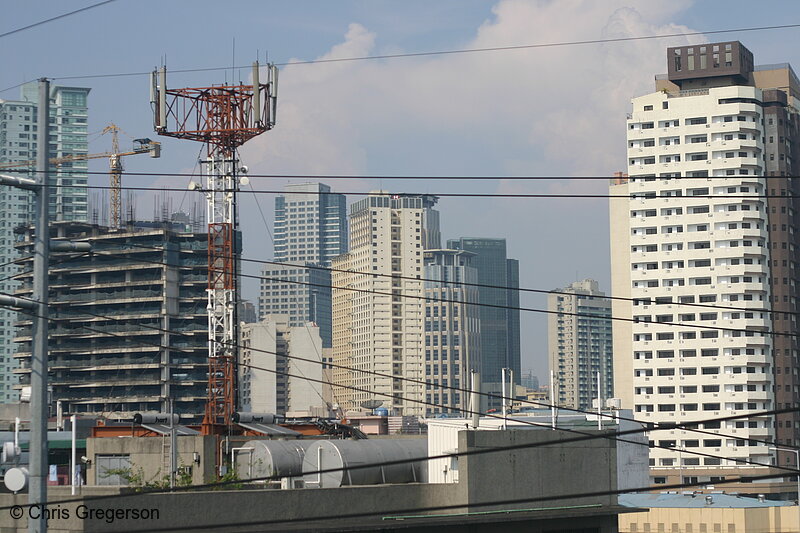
407,116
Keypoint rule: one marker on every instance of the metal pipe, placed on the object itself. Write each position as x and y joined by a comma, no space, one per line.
12,301
475,399
20,183
503,404
73,471
552,401
599,404
37,491
173,445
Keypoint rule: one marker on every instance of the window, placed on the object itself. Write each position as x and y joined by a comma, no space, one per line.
104,463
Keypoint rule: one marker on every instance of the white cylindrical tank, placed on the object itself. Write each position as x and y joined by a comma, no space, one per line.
271,458
342,455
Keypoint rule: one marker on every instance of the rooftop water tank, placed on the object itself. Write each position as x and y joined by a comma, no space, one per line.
342,455
271,458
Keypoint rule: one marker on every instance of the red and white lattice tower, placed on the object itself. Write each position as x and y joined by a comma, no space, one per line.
223,117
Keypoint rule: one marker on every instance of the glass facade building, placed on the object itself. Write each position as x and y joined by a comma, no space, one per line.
499,326
68,198
310,230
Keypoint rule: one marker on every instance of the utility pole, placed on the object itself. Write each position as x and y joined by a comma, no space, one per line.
37,491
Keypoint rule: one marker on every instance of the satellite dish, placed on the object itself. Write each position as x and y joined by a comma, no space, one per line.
16,479
371,404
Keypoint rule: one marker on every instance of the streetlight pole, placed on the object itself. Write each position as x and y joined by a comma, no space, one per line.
797,466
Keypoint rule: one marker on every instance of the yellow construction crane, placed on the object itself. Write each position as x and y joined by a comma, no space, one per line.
140,146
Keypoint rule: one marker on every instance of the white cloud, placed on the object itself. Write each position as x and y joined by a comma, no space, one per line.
538,111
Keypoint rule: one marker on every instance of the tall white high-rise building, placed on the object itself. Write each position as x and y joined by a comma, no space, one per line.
690,244
310,230
379,326
68,199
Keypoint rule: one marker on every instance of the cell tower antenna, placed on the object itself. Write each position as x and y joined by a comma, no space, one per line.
223,117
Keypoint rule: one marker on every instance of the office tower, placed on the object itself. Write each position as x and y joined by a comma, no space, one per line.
499,326
247,312
378,324
579,344
452,329
130,332
702,234
530,381
18,137
275,360
310,230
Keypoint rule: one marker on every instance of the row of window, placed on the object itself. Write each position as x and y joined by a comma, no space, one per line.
711,406
693,389
704,371
692,121
704,352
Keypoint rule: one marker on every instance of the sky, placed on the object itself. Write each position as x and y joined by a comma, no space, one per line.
556,112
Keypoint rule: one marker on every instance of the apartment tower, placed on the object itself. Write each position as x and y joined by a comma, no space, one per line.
452,329
68,199
310,230
702,241
378,304
579,344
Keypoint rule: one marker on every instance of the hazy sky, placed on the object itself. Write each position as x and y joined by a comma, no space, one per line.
535,112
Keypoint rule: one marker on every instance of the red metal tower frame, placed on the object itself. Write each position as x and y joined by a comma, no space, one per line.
223,117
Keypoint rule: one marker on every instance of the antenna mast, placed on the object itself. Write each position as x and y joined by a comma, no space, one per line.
223,117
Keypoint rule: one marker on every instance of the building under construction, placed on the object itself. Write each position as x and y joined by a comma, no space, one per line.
129,331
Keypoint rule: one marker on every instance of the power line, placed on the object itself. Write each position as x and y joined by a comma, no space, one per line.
642,301
57,17
632,196
379,374
375,177
648,427
482,304
451,52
